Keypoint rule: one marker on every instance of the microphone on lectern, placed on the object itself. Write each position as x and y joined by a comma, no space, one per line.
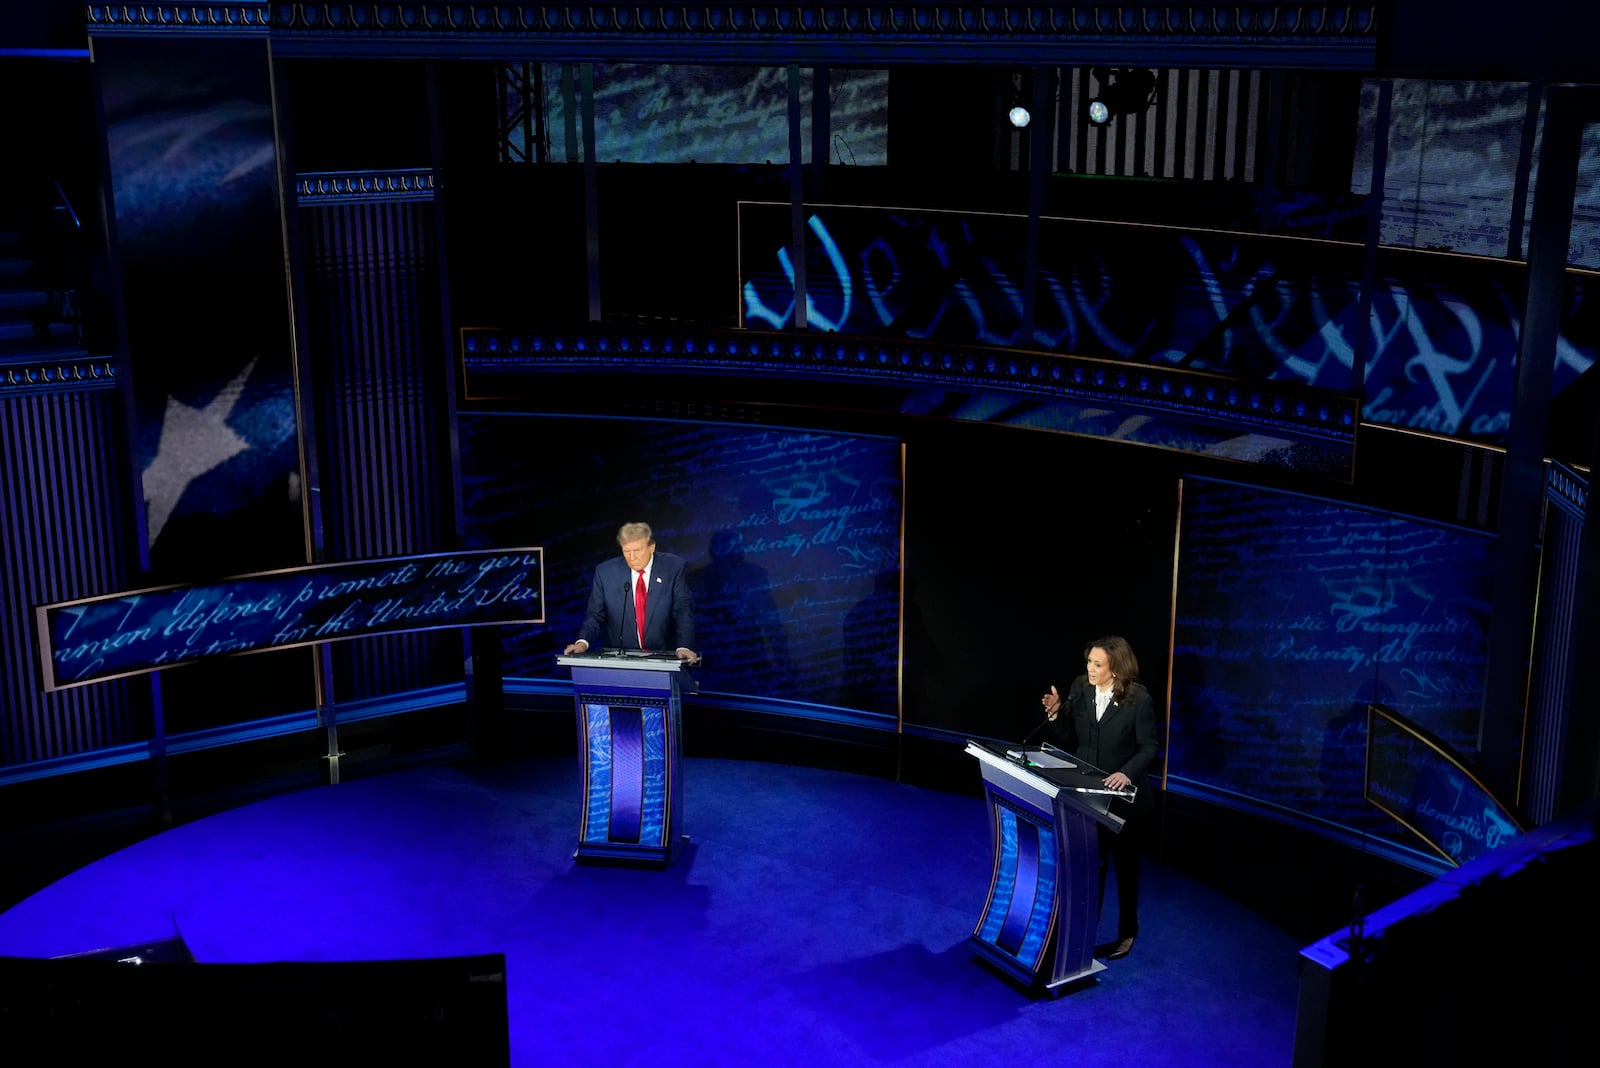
1022,748
627,610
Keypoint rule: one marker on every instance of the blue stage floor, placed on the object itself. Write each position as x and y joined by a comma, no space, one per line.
816,918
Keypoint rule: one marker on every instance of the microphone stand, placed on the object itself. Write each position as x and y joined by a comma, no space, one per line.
1021,753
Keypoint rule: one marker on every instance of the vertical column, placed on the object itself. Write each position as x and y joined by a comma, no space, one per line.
797,199
1522,493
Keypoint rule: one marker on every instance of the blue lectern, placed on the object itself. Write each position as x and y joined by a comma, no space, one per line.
1038,924
629,713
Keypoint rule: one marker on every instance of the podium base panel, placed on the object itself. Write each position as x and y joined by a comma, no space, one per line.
1041,982
622,856
1057,987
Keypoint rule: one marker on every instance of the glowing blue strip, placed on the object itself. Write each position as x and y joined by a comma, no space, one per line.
878,721
1033,945
238,733
653,812
1005,875
597,822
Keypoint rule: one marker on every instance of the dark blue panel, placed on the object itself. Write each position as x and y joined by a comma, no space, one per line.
1026,881
627,773
1293,614
792,541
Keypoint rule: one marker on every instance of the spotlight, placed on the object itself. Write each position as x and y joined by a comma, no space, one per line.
1122,92
1018,98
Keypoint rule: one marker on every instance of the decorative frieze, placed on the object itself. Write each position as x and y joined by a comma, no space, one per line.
1244,33
56,373
493,360
363,187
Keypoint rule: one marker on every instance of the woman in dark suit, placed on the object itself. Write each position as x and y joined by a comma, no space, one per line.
1108,720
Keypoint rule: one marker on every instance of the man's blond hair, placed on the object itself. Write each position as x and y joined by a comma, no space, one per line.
635,532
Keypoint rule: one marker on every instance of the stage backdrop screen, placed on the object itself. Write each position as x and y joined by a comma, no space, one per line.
1444,328
792,540
1293,614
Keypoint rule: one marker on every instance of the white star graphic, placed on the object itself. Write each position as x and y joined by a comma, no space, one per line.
193,442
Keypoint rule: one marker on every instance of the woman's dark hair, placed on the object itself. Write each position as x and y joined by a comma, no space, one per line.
1119,657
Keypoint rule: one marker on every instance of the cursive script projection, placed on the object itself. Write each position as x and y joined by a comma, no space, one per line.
687,113
1443,329
1428,789
106,637
1292,615
1448,180
792,542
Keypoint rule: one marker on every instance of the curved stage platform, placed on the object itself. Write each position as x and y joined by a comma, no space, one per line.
815,918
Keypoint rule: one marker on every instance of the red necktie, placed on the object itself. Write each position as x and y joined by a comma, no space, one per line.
639,592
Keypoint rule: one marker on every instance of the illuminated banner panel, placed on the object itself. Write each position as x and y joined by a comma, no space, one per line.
125,633
1414,777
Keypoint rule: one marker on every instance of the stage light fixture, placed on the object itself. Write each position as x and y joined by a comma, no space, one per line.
1125,91
1017,100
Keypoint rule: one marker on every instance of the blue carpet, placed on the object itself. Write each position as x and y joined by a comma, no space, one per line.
815,918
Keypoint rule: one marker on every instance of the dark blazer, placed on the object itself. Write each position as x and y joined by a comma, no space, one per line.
668,611
1124,740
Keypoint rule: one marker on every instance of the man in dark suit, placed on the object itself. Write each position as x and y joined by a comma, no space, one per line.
1108,720
639,600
